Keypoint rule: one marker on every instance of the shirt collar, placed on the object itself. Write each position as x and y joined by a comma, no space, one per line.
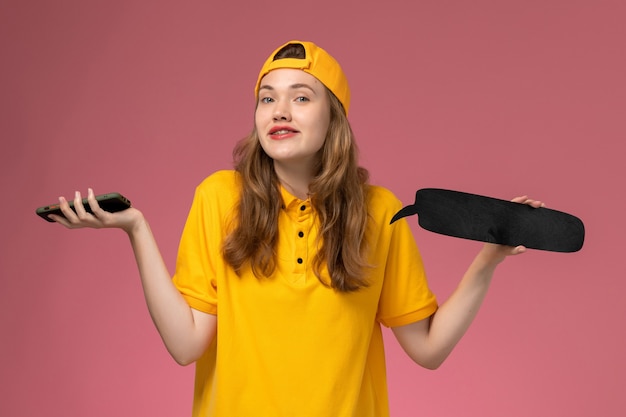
292,203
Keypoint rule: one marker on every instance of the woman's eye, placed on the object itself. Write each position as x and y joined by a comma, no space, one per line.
266,100
302,99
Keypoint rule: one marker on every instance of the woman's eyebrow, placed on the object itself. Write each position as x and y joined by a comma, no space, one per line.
292,87
301,85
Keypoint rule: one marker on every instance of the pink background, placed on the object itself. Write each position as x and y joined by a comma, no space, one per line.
147,98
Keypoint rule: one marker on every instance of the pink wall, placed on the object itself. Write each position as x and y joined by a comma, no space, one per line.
147,98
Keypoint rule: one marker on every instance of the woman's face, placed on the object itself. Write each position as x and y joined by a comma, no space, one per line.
292,116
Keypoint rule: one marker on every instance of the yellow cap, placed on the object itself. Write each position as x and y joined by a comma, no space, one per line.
318,63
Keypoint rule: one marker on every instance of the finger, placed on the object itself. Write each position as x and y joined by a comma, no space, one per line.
68,219
62,221
518,250
534,203
528,201
93,203
67,211
81,213
520,199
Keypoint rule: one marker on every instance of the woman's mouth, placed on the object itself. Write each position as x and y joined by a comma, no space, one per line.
281,133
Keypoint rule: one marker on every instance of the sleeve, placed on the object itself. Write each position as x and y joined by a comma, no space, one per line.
405,295
199,259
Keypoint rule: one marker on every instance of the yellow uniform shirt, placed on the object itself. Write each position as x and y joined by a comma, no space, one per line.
287,345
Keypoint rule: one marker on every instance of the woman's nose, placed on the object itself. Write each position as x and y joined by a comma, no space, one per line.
281,112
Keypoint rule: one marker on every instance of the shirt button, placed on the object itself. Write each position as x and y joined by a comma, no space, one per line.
300,260
301,234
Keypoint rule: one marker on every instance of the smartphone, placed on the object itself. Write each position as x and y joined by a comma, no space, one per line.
110,202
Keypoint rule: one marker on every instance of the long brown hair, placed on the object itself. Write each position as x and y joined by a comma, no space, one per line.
337,193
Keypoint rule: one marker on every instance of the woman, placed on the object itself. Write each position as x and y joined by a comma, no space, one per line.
293,252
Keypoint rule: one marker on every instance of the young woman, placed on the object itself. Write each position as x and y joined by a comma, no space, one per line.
293,254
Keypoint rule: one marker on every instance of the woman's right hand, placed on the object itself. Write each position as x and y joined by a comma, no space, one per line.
126,220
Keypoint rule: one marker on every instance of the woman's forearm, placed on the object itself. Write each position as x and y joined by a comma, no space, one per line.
185,332
429,342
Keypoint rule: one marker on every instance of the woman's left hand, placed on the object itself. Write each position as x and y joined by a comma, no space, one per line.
497,253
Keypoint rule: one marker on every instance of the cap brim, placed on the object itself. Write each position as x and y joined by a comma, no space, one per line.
487,219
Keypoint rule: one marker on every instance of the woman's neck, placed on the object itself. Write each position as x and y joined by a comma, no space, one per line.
295,179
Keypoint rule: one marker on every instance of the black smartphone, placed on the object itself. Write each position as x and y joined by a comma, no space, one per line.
110,202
